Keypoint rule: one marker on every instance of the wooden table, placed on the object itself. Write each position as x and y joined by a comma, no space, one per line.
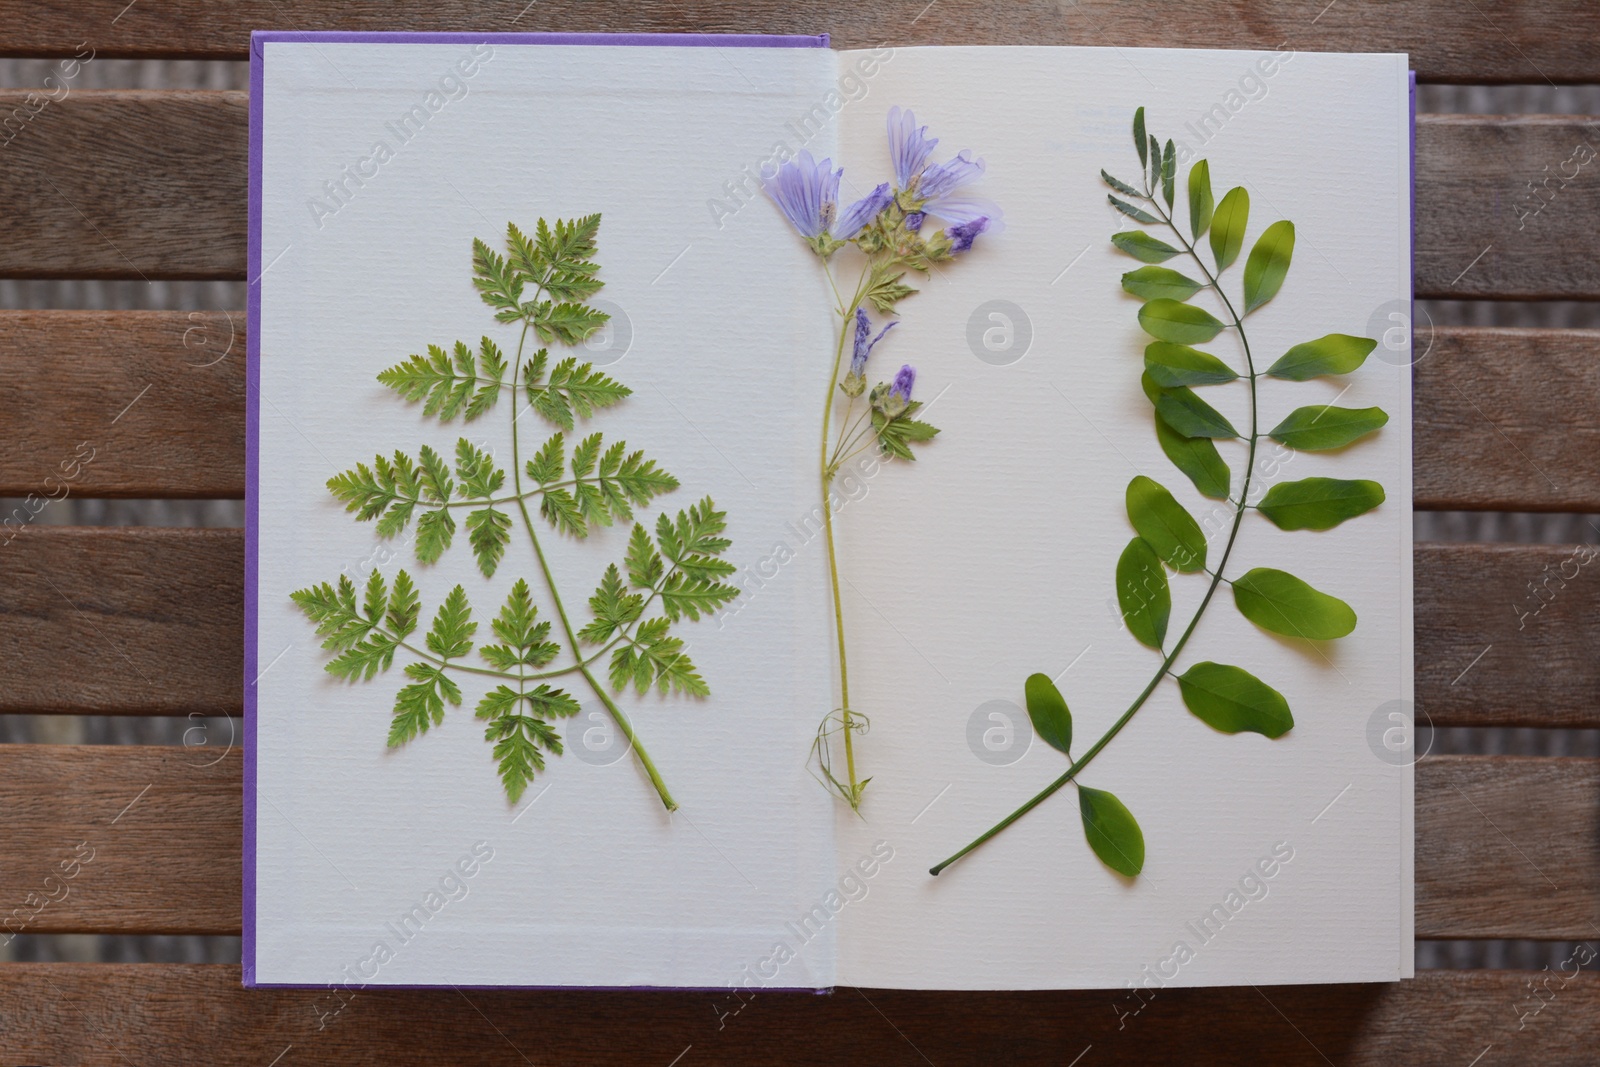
151,185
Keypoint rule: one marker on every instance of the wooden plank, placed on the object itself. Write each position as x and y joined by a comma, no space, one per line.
1511,41
152,184
146,621
1506,634
1487,432
112,1013
124,184
120,838
1500,420
121,403
122,621
162,828
1495,217
1495,833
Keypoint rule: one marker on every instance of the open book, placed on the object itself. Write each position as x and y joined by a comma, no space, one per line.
543,657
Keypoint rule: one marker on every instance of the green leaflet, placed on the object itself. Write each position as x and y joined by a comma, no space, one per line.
1139,137
1143,247
524,640
1200,202
1171,365
521,739
606,483
573,387
1323,427
1169,173
684,571
1160,283
404,606
448,385
1120,186
1170,530
1283,604
1143,593
896,434
559,258
1111,830
1268,264
1197,458
1138,214
435,530
1047,709
885,289
1227,226
1180,323
451,635
1190,416
421,704
1233,700
613,607
489,532
1337,353
1318,503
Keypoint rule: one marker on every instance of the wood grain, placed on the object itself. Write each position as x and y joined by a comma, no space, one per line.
1503,639
122,621
145,1013
1494,427
136,403
1500,421
155,831
1510,41
125,184
1506,847
1482,232
1494,834
148,621
120,184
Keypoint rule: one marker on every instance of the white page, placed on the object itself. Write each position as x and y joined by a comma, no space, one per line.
993,557
594,884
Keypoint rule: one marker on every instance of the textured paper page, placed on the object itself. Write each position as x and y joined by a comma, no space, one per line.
588,880
994,558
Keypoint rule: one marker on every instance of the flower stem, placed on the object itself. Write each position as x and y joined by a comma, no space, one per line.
1216,576
826,471
561,612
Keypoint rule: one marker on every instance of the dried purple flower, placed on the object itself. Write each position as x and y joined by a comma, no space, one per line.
863,211
962,234
903,383
807,192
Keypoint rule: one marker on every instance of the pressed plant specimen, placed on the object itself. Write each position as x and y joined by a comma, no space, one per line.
575,482
1167,537
889,227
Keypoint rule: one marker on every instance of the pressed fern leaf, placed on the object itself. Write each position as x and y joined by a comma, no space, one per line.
692,544
524,639
421,704
522,739
497,282
654,657
450,383
451,634
613,606
572,387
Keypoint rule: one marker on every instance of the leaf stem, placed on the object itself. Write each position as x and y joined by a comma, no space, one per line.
561,612
1216,578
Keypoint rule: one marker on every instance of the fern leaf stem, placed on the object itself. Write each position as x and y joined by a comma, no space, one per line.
1216,576
617,716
